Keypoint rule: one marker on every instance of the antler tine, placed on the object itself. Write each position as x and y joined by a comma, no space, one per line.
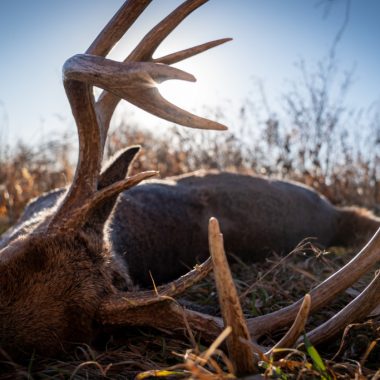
241,353
135,82
111,34
155,104
79,214
107,102
190,52
147,46
358,308
324,292
134,299
158,309
298,326
117,26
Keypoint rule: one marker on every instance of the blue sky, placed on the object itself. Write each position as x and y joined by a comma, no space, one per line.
36,37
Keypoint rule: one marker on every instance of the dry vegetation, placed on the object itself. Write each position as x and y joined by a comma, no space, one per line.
26,172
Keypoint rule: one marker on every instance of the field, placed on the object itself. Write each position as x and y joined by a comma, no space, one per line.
344,175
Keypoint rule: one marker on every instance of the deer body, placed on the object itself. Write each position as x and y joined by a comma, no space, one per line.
158,229
161,226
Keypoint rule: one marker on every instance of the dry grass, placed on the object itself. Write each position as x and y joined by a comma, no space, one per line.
264,287
27,172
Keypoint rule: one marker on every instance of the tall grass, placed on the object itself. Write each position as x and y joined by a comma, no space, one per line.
345,173
26,172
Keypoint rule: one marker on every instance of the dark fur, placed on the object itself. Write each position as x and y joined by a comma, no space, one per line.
161,226
51,285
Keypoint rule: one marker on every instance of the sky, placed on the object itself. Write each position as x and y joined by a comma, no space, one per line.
269,37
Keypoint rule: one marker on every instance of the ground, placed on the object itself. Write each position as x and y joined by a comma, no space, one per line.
126,353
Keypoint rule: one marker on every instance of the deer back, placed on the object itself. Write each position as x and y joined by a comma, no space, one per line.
160,227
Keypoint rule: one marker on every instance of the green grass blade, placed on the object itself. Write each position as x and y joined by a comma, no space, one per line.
318,363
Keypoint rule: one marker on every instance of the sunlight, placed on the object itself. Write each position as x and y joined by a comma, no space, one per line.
183,94
192,96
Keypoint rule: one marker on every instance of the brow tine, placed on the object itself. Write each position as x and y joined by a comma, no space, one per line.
190,52
147,46
71,219
117,27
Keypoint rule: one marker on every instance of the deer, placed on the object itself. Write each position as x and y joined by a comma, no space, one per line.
83,258
262,216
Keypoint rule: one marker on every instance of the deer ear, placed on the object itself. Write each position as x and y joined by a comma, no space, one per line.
118,166
115,170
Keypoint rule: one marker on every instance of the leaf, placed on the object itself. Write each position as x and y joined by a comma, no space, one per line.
319,365
158,373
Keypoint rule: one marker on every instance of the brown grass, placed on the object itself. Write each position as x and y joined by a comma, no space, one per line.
26,172
125,353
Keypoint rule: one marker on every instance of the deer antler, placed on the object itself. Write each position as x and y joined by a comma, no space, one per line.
144,51
133,80
66,244
241,354
325,292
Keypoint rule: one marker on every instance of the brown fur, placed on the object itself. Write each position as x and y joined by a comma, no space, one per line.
50,291
355,226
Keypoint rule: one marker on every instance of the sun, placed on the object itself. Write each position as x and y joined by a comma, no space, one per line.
182,94
191,96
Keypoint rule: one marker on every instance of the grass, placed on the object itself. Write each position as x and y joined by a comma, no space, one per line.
126,353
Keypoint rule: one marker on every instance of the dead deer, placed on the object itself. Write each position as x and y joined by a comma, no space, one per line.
257,215
71,263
